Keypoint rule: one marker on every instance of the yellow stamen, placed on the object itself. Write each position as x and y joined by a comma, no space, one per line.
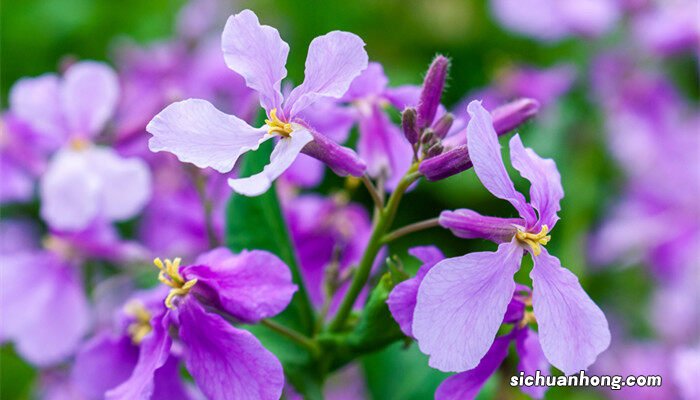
528,318
142,321
534,240
276,126
170,275
78,144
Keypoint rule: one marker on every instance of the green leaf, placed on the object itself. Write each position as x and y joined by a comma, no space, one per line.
257,223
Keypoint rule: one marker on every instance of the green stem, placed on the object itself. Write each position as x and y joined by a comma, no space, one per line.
293,335
200,184
382,223
415,227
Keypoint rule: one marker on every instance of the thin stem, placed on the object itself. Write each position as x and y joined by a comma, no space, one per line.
200,184
382,222
376,197
293,335
415,227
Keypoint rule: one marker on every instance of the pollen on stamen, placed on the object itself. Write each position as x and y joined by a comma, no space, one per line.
534,240
170,276
141,326
276,126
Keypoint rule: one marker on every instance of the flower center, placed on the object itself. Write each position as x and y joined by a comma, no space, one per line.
78,143
142,321
276,126
534,240
170,275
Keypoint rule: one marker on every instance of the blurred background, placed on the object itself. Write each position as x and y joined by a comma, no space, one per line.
38,36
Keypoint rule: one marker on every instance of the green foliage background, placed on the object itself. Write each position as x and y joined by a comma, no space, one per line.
403,35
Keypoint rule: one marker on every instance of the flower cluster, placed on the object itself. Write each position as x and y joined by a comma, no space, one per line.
276,277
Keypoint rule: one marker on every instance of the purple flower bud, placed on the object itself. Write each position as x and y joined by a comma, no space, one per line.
428,136
435,149
511,115
446,164
342,160
505,118
443,125
410,125
430,96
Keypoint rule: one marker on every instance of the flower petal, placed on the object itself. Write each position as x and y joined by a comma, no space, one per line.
258,54
402,299
466,385
284,154
250,286
102,363
468,224
485,154
371,82
461,304
226,362
196,132
545,191
125,183
153,353
334,61
44,309
89,96
572,329
70,191
383,147
36,101
532,359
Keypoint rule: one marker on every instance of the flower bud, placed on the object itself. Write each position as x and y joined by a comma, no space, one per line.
428,136
435,149
410,125
446,164
443,125
342,160
431,94
511,115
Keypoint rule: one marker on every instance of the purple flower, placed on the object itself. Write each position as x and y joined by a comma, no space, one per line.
462,300
197,132
43,307
553,20
326,232
466,385
668,27
225,361
82,183
402,299
21,164
653,134
381,143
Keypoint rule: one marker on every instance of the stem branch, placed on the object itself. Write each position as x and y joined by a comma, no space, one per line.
376,197
415,227
381,224
293,335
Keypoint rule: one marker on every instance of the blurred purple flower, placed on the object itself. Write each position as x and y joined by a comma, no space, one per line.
326,232
552,20
197,132
668,27
43,308
82,182
21,164
653,134
462,300
225,361
381,143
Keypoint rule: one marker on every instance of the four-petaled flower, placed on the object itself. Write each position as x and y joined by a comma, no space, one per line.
226,362
197,132
462,300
